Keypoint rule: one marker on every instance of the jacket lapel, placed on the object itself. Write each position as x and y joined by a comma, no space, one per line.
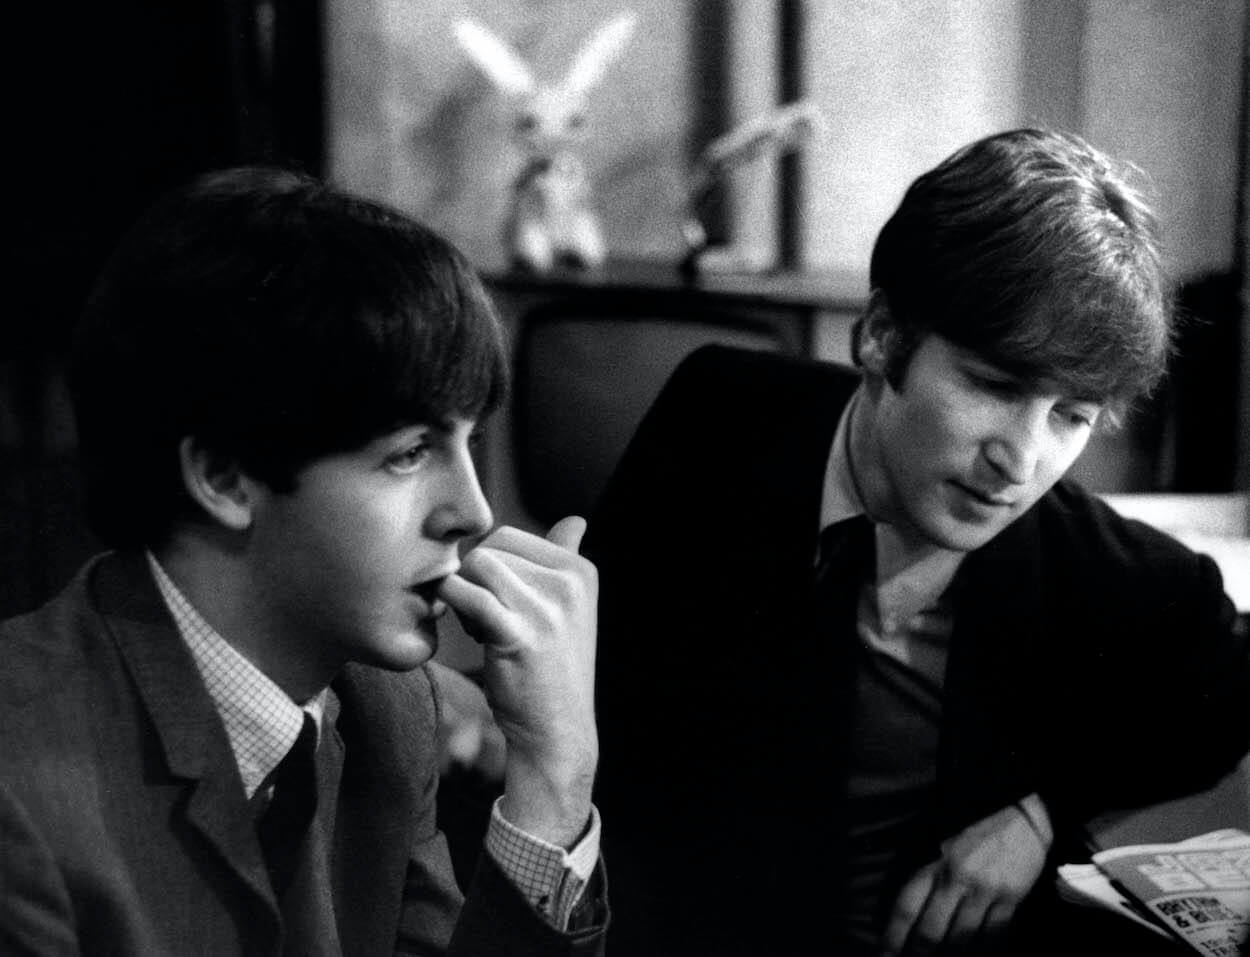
990,709
194,742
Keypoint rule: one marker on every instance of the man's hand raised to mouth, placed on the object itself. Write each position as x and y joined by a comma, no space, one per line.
532,602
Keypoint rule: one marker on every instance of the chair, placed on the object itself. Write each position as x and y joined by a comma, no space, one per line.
585,380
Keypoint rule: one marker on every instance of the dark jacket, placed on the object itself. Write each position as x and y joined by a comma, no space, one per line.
1093,660
123,824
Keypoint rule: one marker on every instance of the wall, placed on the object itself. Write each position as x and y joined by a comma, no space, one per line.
1243,457
1162,83
902,85
1153,82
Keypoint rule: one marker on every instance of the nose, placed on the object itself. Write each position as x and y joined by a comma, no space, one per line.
1019,442
463,510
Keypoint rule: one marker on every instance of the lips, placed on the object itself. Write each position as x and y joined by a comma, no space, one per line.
992,499
427,591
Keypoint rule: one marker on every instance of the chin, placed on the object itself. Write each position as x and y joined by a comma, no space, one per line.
958,536
407,650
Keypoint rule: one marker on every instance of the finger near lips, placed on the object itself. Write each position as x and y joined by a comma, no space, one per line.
493,591
475,605
513,580
568,580
541,551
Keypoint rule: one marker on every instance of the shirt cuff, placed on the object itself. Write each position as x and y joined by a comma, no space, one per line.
1034,811
549,877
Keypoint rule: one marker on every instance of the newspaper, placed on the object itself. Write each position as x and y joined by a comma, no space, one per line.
1197,890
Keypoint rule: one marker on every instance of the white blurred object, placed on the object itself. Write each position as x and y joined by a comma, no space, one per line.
778,131
551,219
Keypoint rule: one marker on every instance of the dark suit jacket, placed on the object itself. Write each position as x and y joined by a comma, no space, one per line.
123,823
1093,660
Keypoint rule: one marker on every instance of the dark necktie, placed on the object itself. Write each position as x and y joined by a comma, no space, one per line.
845,563
285,821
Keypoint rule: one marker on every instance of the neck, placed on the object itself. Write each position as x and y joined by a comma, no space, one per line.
871,480
851,469
863,455
225,591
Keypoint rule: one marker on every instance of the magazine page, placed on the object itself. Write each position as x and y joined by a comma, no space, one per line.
1199,888
1086,884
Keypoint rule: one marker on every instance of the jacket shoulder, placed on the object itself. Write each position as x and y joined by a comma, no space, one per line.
730,427
1073,519
726,372
1109,572
44,650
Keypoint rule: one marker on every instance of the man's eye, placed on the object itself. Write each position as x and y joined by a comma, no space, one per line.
408,459
996,385
1077,417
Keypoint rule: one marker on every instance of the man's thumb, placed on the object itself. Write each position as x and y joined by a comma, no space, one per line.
568,532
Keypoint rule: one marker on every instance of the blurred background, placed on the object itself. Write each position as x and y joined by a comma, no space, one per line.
114,102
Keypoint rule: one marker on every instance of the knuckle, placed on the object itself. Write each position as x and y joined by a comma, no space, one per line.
962,873
589,571
523,630
906,913
561,590
1010,896
479,558
504,532
576,586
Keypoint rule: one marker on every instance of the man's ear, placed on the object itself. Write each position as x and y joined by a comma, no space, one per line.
217,484
876,336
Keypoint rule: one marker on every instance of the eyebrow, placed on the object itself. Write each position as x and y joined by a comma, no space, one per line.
1057,388
405,431
1039,386
444,425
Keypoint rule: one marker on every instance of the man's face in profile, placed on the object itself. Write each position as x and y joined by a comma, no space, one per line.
351,561
961,449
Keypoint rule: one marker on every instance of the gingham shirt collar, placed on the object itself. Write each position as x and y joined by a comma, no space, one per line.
261,721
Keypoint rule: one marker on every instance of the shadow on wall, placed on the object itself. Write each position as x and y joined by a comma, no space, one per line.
43,534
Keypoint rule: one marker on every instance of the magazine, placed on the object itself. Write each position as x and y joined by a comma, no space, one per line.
1196,891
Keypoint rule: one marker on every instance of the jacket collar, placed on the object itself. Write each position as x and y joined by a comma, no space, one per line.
191,735
992,669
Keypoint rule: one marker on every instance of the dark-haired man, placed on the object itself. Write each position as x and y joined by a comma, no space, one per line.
877,659
220,739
